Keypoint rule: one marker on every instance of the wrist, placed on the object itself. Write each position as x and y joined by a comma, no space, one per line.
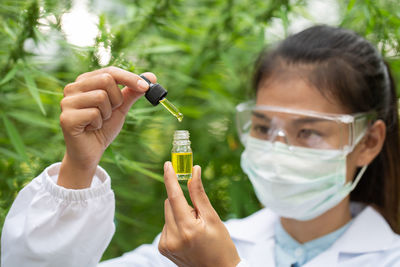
75,175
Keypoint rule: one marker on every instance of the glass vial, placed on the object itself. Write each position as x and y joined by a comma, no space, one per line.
181,155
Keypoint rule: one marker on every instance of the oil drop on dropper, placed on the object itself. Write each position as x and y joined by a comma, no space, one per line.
157,94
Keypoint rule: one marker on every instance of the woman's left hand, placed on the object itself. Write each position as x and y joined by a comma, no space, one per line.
194,236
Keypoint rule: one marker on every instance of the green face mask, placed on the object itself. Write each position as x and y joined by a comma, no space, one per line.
299,183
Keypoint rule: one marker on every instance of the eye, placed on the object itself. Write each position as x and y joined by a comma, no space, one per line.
260,130
309,133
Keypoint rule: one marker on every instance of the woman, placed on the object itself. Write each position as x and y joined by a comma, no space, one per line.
324,124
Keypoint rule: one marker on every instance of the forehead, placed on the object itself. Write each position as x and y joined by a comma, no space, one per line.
291,90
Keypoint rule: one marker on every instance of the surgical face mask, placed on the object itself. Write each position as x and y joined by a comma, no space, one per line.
296,182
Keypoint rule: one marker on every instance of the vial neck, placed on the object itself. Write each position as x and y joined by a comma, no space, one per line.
181,142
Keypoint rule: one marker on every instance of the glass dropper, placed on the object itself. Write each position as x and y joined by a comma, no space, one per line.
171,108
157,94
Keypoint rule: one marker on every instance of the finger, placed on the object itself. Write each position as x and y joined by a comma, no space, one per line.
131,96
168,246
197,193
163,241
150,76
169,219
97,99
163,245
179,206
75,121
124,77
102,81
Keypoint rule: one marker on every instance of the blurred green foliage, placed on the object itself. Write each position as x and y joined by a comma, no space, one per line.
202,51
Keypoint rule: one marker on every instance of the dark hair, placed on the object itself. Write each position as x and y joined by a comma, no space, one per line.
344,65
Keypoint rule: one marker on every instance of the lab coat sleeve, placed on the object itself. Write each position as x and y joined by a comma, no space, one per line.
49,225
144,255
149,256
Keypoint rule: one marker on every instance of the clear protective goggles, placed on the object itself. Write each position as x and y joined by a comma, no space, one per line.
301,128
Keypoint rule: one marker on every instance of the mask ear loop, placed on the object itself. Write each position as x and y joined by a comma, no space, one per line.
364,168
358,177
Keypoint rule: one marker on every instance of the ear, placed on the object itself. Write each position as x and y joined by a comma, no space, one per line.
371,145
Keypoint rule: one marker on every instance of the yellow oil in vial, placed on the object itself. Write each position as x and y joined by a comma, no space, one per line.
183,164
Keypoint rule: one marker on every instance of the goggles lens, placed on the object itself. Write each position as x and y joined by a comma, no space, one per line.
300,128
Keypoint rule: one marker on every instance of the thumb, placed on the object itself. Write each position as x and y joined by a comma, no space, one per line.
198,195
130,95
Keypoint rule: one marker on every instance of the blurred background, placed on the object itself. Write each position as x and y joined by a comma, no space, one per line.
202,52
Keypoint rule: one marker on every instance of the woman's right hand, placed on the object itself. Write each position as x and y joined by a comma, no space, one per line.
93,112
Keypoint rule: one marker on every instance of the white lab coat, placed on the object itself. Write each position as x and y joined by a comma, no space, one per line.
50,226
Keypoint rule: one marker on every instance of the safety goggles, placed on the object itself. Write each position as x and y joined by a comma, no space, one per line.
301,128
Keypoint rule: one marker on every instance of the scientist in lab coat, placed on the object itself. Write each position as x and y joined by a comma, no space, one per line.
321,150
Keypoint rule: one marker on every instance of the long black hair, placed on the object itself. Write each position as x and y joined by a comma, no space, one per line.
344,65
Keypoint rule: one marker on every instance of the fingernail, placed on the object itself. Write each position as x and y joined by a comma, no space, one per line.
142,84
197,168
166,166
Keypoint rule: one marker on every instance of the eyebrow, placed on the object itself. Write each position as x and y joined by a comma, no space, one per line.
296,121
261,116
309,120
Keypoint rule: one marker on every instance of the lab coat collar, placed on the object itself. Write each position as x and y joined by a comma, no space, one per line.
368,231
255,228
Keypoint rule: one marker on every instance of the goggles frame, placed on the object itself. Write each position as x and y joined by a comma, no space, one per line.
358,122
